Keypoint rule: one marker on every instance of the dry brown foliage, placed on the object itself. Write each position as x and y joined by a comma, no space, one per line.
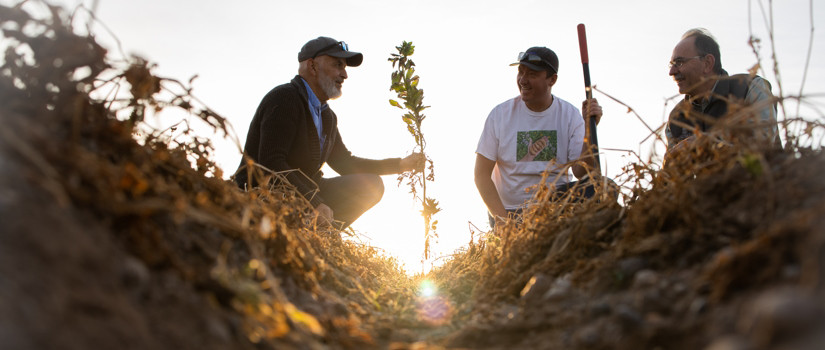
116,235
176,243
730,228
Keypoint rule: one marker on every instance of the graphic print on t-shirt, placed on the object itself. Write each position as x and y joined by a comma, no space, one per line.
536,145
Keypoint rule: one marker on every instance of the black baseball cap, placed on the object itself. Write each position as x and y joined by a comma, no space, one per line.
322,45
539,58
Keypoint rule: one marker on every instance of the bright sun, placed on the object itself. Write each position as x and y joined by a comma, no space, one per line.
396,226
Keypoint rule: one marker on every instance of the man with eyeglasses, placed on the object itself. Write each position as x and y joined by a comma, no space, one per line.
530,135
696,67
294,132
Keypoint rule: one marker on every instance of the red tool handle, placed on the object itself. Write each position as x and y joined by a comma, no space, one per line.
591,130
583,43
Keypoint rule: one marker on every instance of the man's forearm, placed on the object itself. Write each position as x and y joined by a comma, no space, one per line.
587,158
490,196
486,188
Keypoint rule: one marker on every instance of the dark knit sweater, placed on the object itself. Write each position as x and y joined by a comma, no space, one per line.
282,136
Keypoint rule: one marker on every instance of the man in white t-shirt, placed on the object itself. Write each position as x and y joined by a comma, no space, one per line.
530,134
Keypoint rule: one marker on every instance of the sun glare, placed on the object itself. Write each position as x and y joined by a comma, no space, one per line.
431,307
396,226
427,289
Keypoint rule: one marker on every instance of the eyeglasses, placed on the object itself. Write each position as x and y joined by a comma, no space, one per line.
679,61
341,44
531,57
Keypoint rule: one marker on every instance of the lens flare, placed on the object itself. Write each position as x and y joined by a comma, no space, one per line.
431,307
427,289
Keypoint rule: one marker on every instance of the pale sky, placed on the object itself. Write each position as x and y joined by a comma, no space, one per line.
242,49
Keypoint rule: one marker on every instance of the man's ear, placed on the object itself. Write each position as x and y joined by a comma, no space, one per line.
551,80
313,65
709,61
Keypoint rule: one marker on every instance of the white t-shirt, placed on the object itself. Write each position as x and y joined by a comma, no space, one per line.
513,134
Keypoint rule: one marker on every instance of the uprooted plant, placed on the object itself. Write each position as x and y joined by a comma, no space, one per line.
405,84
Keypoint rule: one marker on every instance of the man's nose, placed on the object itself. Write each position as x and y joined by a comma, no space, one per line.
673,70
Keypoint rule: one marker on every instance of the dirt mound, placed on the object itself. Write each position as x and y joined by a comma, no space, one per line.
113,235
725,250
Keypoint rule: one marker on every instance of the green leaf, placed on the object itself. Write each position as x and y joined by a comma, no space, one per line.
752,164
408,49
415,97
395,103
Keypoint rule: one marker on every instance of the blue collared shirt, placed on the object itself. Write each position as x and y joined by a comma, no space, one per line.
315,107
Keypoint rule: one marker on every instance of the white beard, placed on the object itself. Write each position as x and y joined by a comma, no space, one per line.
328,86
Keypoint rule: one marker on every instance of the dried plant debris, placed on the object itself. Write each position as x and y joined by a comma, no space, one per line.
684,264
117,235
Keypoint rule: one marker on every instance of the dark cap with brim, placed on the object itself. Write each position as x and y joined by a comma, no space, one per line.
539,59
322,45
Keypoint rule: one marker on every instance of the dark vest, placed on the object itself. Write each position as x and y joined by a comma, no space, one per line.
701,113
